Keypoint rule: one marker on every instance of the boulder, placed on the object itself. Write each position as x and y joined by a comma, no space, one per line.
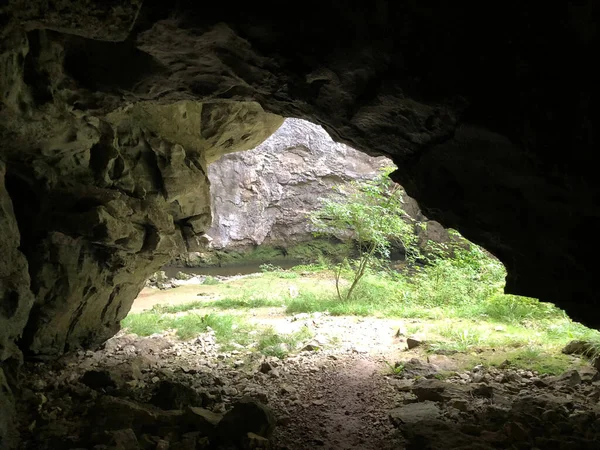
415,412
438,391
175,395
100,379
117,413
246,416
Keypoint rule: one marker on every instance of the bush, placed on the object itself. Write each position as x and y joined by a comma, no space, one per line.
211,281
512,308
470,277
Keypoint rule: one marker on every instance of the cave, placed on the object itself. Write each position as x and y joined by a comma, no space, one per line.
111,112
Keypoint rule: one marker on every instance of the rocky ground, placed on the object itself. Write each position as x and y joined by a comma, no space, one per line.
335,392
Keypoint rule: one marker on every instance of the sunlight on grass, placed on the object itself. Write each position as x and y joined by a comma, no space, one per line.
244,303
271,343
229,330
458,304
226,327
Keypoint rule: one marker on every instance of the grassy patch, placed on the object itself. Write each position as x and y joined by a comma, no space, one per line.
244,302
527,358
211,281
458,302
229,331
180,307
226,327
271,343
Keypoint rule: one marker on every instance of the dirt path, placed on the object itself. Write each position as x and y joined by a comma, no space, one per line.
349,410
337,394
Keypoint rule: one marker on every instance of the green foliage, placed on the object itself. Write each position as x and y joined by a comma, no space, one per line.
271,343
209,281
515,309
395,369
471,276
321,250
287,275
268,267
370,214
180,307
186,326
245,302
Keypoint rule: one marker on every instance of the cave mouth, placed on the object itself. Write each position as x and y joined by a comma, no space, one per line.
428,352
200,353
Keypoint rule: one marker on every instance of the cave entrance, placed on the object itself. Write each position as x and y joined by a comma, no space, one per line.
427,349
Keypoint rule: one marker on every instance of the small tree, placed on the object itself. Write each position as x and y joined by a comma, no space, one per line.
371,214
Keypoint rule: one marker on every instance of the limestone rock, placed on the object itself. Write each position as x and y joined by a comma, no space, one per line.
415,412
203,420
125,439
413,342
116,413
16,298
276,184
99,379
254,441
175,395
246,416
436,390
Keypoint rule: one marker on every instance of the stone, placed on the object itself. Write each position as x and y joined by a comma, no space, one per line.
202,419
437,391
16,299
516,431
246,416
115,413
191,441
265,367
578,347
125,439
570,378
415,412
254,441
413,342
99,379
416,368
310,348
459,403
483,390
8,434
165,445
175,395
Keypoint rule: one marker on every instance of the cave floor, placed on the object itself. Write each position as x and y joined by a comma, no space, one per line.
338,389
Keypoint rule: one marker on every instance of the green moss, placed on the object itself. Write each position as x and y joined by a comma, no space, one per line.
313,251
306,252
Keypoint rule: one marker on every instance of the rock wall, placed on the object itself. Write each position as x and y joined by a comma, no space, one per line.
263,196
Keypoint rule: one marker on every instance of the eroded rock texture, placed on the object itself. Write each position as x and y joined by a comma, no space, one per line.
111,112
263,196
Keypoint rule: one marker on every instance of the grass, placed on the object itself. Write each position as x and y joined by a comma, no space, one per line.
458,306
271,343
211,281
226,327
229,330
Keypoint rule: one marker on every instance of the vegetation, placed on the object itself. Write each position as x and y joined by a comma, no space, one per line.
455,300
230,330
371,215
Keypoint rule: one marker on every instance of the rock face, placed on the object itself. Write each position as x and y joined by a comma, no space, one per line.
111,111
96,220
262,196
